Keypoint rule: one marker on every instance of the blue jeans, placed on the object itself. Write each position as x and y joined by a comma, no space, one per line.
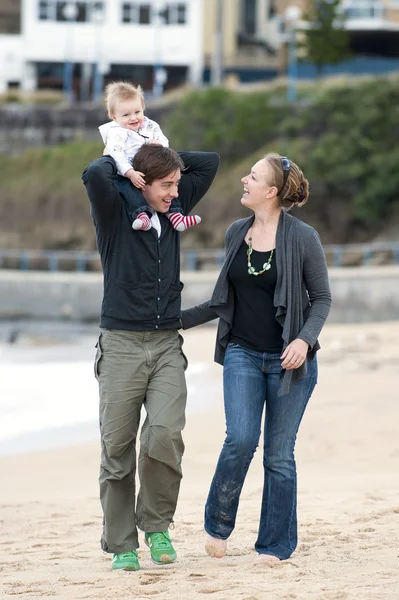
251,380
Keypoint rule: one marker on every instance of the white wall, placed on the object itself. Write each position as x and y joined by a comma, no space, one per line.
115,41
11,60
268,29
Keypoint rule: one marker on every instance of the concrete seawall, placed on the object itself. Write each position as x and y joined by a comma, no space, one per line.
360,294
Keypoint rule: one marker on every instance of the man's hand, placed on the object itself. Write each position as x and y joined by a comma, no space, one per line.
136,177
294,355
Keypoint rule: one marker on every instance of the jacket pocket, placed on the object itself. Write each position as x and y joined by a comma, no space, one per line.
172,309
130,301
130,285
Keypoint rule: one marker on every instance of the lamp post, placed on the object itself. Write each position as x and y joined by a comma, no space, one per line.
70,12
217,57
99,66
160,73
291,18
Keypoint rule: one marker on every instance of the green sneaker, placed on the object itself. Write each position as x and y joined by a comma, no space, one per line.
128,561
162,551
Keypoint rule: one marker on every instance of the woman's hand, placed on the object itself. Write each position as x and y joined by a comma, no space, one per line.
294,355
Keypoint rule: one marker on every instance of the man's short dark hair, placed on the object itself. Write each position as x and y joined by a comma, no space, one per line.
157,162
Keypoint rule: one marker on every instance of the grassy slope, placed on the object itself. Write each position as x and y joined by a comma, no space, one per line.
43,201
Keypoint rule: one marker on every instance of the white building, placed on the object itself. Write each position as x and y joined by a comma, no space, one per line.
124,39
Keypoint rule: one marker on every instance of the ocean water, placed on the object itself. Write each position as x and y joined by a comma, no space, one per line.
49,396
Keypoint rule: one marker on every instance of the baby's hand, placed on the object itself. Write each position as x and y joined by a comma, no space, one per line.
137,178
154,142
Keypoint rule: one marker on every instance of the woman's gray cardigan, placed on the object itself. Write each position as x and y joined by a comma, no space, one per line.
302,296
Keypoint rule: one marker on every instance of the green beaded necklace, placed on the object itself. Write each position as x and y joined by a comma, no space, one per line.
266,265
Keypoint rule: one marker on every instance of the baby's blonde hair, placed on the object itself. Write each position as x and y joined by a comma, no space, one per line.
121,90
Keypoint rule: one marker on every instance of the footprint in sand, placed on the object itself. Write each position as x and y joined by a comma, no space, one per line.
150,581
377,515
213,590
162,573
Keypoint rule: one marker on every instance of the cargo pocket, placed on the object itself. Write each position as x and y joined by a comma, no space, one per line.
181,342
98,358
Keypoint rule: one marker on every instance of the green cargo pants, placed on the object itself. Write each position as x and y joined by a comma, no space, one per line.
136,368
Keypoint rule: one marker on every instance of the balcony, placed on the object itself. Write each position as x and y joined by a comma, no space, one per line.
364,14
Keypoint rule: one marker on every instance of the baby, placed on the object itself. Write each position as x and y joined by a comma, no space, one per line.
124,136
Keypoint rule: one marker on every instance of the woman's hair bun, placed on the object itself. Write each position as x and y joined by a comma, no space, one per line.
301,195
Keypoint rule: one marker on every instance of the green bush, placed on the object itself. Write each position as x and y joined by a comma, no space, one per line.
342,134
231,123
351,148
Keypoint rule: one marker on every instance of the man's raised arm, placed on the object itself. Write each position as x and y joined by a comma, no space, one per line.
103,195
197,177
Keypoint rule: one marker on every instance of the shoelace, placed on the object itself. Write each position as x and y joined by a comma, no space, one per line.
160,540
127,555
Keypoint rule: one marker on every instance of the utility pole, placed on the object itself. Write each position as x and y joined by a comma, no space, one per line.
217,57
160,73
70,12
292,15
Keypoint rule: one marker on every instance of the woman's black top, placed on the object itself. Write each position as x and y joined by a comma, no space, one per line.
255,326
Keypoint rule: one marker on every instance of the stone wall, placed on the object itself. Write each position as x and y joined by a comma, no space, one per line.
24,126
360,294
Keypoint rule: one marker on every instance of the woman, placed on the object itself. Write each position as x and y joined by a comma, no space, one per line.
272,299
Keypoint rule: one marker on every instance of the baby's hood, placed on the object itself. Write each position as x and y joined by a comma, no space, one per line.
104,129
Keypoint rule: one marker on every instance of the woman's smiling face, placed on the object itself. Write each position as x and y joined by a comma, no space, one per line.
256,185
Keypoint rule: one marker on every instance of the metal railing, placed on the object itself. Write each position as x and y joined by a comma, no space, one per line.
347,255
338,255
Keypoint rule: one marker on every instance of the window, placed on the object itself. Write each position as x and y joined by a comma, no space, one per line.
174,14
142,13
97,13
363,10
249,16
181,14
69,10
44,11
145,14
50,70
136,12
271,10
126,12
164,15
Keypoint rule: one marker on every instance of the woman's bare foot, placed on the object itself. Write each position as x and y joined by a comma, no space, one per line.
270,558
215,547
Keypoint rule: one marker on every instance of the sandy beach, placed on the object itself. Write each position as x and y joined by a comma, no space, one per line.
348,488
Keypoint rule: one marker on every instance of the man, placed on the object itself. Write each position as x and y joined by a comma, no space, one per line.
139,359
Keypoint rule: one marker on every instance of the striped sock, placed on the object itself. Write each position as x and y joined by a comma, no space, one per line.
181,223
142,222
